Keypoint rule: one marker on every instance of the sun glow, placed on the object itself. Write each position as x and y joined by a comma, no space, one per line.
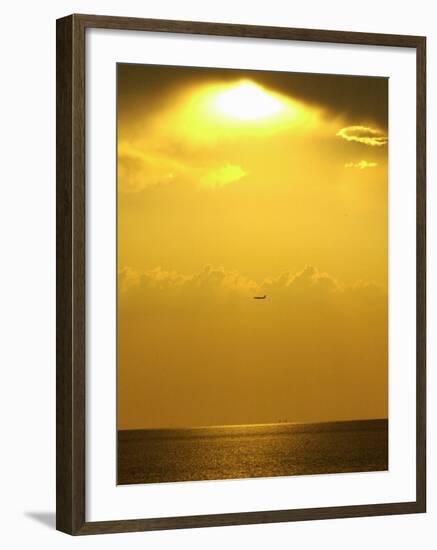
220,110
247,101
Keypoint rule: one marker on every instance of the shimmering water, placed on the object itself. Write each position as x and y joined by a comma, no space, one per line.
233,452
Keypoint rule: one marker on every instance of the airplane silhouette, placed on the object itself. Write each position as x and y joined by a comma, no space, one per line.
260,297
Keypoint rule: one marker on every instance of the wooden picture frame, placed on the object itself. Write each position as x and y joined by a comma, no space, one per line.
71,278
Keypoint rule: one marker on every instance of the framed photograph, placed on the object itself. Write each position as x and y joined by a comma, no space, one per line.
240,274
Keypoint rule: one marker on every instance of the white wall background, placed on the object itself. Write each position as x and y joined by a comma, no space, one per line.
27,288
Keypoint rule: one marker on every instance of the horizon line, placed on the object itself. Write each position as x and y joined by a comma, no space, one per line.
255,425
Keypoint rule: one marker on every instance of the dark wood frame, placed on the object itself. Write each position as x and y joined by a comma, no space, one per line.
71,283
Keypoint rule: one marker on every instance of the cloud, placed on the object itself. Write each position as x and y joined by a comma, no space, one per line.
127,278
138,170
308,280
361,165
228,173
161,288
210,281
363,134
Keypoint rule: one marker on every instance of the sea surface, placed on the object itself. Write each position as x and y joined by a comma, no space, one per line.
235,452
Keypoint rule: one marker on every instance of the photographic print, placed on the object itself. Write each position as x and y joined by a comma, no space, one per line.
222,292
252,286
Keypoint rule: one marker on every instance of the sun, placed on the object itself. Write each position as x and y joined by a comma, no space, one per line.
247,101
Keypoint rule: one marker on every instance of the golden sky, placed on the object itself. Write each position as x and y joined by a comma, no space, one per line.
233,184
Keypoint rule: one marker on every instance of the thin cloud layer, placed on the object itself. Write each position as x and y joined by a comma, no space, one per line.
172,286
158,287
224,175
361,165
138,169
363,134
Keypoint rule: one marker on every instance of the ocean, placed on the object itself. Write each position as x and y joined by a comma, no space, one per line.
236,452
